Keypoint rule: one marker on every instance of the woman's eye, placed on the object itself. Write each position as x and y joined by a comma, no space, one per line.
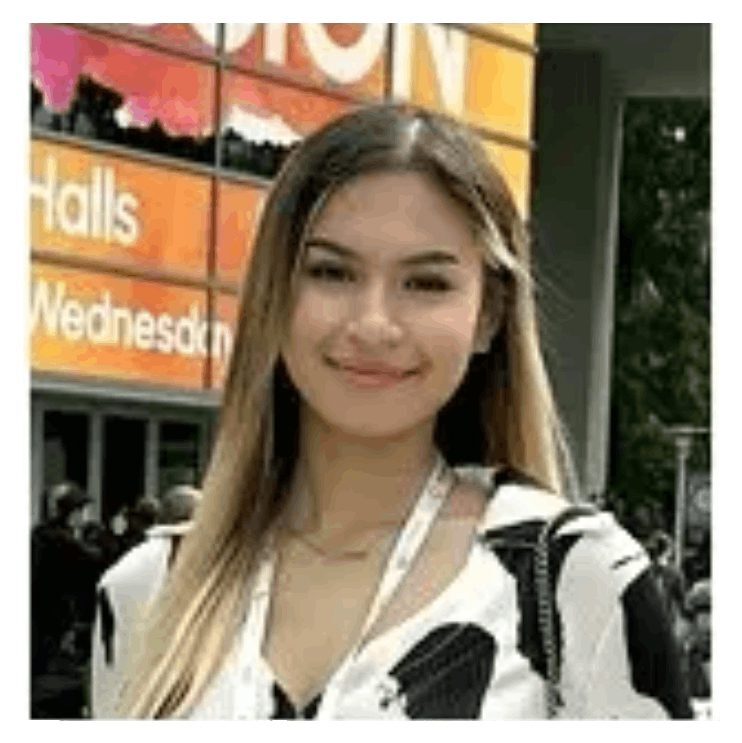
329,272
428,284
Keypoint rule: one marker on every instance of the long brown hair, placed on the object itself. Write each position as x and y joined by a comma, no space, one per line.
502,414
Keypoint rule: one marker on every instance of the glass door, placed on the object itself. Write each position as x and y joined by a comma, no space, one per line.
124,451
179,454
66,437
116,453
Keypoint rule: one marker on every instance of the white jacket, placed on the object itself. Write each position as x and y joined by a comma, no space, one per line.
123,594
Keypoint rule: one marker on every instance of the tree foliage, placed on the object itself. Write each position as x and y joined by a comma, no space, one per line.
661,363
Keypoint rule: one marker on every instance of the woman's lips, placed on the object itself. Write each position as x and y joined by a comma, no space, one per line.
371,378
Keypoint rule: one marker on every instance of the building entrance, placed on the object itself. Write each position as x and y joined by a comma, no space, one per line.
116,453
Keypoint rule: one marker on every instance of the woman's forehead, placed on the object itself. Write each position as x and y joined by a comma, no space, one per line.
403,211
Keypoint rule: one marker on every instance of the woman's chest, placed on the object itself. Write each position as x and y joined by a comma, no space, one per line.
316,616
322,611
461,658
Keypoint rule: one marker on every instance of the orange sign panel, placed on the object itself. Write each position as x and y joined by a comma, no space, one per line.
239,211
110,208
226,309
195,37
109,326
326,54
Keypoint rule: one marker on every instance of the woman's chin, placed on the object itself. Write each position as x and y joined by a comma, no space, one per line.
372,427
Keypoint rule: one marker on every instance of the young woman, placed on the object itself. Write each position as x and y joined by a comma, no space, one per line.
388,451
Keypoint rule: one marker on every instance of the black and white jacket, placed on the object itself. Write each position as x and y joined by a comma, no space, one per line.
475,651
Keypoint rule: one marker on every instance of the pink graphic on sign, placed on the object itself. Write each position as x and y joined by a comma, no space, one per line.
152,85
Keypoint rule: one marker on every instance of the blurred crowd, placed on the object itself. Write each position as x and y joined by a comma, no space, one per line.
688,603
69,554
686,590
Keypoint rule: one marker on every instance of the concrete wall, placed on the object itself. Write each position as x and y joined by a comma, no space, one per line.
575,207
584,72
645,59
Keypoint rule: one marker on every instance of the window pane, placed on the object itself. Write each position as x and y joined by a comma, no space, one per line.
178,457
66,440
123,462
262,120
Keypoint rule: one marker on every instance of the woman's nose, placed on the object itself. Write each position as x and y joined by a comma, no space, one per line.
373,322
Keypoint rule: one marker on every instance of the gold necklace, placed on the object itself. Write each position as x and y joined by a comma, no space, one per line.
353,554
341,555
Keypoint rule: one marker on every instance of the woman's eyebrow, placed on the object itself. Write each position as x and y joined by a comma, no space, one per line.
426,256
332,247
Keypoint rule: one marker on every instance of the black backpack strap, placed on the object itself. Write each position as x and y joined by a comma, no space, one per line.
544,602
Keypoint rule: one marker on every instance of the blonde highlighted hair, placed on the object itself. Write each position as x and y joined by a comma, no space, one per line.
503,414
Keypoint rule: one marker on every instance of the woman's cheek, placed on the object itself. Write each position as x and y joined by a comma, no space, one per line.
450,330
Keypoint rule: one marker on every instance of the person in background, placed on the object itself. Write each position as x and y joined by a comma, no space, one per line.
176,514
110,538
670,580
119,584
93,538
117,523
698,648
179,504
697,554
140,517
60,563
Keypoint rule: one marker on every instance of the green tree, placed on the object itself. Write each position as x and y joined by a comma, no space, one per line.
661,363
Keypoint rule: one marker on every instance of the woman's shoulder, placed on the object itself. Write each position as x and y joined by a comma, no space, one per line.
587,545
513,498
620,658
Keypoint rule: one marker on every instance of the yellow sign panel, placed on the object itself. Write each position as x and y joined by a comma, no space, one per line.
514,164
522,32
499,89
479,81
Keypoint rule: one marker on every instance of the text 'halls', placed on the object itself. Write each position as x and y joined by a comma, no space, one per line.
93,207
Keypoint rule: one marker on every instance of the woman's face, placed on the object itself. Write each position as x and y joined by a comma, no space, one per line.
387,305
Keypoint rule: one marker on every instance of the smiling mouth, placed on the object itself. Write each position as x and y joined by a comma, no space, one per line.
371,378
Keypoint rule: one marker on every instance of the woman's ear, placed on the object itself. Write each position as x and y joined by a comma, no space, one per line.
485,334
491,317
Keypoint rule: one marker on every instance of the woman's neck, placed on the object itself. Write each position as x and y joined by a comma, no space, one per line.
345,483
